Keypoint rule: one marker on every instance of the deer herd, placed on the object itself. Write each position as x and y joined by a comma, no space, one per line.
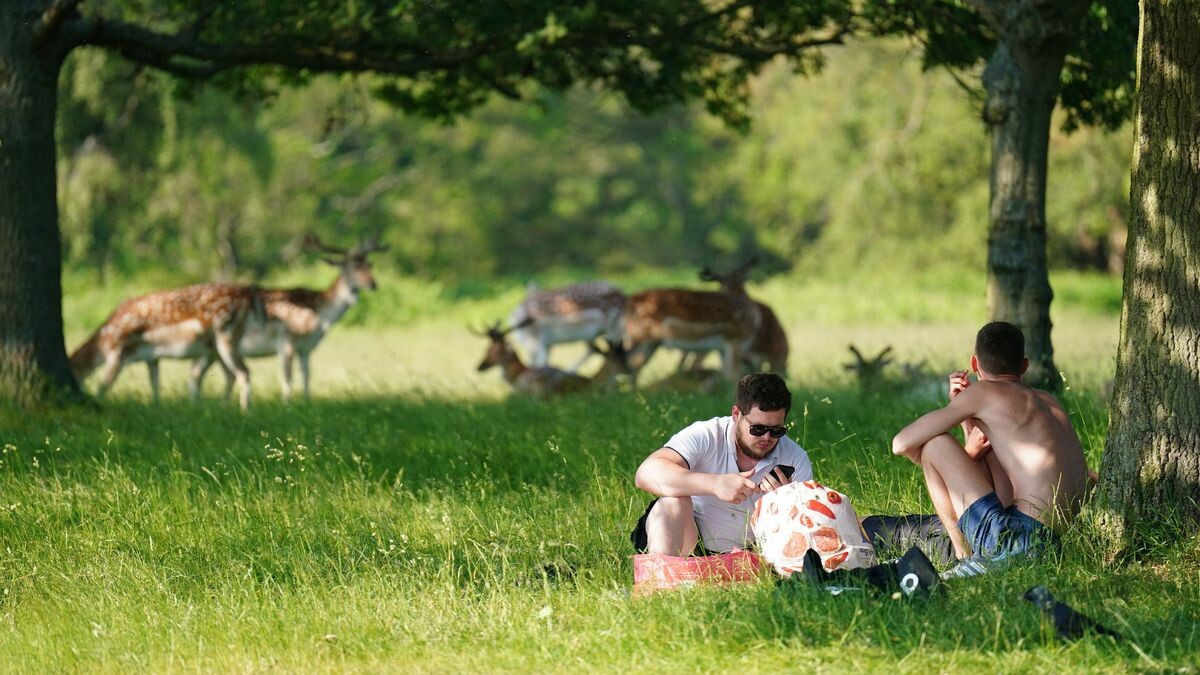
223,324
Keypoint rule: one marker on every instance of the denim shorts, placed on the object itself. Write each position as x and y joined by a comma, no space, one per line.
995,532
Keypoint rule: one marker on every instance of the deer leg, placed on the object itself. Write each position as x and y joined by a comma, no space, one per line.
228,379
541,355
304,372
733,361
285,370
200,366
683,357
112,368
639,355
152,368
227,349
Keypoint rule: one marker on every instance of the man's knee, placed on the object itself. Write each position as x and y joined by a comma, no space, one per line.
939,446
672,509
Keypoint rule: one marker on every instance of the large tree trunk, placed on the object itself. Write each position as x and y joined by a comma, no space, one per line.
1151,467
33,362
1022,82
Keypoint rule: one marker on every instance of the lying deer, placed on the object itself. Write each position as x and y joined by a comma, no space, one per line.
583,311
545,380
294,320
180,324
869,371
696,321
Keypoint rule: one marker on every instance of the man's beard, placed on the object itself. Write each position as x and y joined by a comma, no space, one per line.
752,452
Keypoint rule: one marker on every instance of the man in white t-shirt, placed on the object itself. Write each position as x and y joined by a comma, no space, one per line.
709,476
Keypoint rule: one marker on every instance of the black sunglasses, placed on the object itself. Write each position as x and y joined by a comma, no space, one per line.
760,429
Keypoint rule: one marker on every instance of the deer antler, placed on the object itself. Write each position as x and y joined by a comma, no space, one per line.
372,245
868,368
314,243
491,331
744,268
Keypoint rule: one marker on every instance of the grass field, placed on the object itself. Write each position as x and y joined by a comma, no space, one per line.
414,516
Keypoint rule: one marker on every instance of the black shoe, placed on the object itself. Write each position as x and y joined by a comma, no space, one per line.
917,575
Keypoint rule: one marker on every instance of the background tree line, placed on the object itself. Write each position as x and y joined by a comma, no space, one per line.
830,176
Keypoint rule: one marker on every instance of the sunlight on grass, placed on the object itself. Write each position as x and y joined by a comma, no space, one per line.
417,516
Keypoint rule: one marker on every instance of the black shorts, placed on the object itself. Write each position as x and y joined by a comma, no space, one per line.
638,536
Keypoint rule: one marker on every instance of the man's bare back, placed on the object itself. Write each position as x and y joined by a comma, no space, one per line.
1020,469
1034,442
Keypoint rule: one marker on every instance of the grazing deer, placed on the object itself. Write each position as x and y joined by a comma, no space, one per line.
183,323
294,320
697,321
545,380
767,352
583,311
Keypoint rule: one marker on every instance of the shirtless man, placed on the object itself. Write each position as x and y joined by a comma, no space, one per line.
708,477
1021,470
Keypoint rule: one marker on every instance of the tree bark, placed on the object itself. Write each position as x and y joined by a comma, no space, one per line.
1022,82
33,361
1151,466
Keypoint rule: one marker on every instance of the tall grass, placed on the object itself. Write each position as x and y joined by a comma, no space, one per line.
414,516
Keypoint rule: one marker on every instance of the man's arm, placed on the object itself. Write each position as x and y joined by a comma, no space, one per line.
666,474
912,438
977,443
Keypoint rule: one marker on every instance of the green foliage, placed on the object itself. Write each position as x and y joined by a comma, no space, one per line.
891,172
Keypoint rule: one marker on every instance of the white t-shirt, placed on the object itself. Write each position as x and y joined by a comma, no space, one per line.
709,447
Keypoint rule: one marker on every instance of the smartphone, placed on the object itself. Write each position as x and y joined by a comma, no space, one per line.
783,468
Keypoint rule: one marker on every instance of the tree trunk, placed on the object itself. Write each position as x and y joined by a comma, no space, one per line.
33,362
1022,82
1151,467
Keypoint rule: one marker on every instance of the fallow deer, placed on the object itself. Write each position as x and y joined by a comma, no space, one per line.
697,321
296,319
182,323
583,311
767,352
545,380
869,371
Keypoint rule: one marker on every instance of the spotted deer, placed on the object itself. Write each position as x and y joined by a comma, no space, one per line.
182,323
583,311
295,320
696,321
546,380
767,352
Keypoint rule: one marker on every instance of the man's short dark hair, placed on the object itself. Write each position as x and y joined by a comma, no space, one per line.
1000,347
768,391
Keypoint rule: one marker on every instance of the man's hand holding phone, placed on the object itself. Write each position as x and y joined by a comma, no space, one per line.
776,478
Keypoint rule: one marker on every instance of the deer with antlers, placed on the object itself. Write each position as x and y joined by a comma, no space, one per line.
182,323
583,311
546,380
869,371
698,321
295,320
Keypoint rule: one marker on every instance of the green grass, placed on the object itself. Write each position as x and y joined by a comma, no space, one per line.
416,517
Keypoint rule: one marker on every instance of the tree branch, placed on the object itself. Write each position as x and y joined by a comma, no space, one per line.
52,19
185,54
